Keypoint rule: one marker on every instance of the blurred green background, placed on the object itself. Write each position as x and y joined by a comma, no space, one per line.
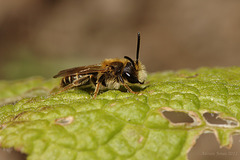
41,37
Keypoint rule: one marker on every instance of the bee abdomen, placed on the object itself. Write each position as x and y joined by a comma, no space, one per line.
68,80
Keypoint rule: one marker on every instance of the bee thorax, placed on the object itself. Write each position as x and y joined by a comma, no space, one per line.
112,84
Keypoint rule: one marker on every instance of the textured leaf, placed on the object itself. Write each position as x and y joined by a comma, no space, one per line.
117,124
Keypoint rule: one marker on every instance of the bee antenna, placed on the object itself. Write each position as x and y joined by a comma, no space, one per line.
138,46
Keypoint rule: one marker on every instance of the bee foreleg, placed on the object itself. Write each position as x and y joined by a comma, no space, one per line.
77,82
126,86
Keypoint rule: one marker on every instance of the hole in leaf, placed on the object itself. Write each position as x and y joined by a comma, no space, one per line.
208,148
215,119
178,117
10,154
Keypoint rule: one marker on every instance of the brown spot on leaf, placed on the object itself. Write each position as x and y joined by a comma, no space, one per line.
187,76
3,126
112,104
19,115
64,121
140,139
193,76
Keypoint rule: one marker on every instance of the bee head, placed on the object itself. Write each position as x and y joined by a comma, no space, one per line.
134,71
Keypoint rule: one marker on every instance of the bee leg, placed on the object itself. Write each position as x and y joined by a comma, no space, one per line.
78,82
96,90
99,82
65,88
126,86
129,89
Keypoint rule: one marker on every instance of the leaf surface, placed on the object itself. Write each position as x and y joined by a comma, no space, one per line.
117,124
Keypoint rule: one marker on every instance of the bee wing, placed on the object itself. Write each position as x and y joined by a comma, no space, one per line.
80,70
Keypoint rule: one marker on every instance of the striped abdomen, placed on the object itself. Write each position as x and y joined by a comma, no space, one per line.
79,79
69,79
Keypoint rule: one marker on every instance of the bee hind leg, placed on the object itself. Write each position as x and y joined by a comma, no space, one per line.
96,90
99,82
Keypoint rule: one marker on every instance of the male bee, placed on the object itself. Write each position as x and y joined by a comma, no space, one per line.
111,73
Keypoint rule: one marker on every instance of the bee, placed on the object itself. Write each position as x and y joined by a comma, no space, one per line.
111,74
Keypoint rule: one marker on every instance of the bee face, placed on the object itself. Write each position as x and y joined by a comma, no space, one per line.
134,73
129,73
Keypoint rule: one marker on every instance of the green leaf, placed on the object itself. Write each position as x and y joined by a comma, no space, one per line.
117,124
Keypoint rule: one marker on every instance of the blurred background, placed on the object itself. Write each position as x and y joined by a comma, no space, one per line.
41,37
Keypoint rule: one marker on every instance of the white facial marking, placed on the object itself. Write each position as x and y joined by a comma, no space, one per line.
142,74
